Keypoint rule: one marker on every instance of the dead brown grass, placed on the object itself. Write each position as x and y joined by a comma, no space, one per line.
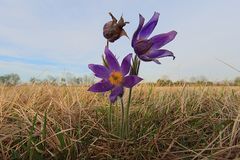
165,123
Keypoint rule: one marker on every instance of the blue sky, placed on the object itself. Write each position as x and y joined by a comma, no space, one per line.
43,37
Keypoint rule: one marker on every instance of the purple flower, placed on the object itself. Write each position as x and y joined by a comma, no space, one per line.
148,49
114,77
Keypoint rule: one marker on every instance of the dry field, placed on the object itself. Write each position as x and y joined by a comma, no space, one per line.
53,122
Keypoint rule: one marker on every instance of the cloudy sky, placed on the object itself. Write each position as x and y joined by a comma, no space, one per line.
42,37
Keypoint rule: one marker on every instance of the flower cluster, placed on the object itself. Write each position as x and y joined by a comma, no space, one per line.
115,77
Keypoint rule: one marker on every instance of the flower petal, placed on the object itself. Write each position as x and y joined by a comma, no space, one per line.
111,60
126,64
100,71
156,61
162,39
130,81
160,53
117,91
102,86
147,59
136,33
148,28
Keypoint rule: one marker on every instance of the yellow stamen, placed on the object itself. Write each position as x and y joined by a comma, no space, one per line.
116,78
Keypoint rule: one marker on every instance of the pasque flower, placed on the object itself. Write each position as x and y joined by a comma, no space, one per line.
148,49
114,77
113,29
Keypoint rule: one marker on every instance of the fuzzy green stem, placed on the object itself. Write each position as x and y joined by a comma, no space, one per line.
122,120
107,44
110,117
137,62
127,111
110,107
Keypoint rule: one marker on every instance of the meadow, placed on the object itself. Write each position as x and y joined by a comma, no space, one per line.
67,122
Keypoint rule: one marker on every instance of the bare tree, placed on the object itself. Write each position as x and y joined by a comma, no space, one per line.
10,79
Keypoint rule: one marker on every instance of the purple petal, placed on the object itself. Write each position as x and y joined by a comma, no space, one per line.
162,39
111,60
149,26
136,33
102,86
117,91
130,81
126,64
142,47
100,71
160,53
147,59
156,61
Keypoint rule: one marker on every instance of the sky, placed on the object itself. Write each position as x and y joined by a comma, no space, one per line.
54,37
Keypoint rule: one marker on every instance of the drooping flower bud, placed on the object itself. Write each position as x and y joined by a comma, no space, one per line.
113,29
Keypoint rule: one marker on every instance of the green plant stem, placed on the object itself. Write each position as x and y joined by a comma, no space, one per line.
110,117
107,44
127,111
116,118
138,65
110,107
136,61
122,120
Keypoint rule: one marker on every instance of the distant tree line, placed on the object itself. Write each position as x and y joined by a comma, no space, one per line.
10,79
70,79
197,81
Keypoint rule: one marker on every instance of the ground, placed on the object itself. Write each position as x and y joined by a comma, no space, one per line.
67,122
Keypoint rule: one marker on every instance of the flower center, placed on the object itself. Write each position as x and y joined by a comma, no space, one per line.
116,78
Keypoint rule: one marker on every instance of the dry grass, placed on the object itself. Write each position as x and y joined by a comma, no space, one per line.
51,122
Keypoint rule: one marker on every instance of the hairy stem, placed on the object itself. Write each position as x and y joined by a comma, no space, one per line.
136,67
122,120
107,44
127,112
110,107
110,117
